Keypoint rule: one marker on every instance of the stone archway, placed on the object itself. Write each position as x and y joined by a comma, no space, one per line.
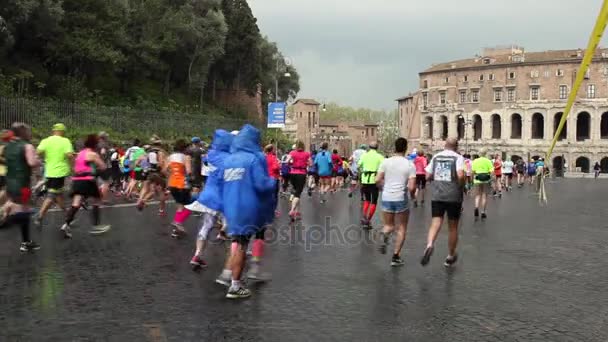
443,121
583,126
604,126
558,166
538,126
584,164
477,127
516,126
604,164
496,126
564,133
460,126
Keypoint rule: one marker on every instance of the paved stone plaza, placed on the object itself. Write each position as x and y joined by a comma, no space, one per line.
529,273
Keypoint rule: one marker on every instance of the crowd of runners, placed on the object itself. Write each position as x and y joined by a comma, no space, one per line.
234,186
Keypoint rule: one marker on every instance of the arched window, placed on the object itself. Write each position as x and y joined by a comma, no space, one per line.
556,119
584,164
583,126
496,126
516,126
444,127
477,127
538,126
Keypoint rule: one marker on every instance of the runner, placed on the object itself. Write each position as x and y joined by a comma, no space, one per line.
299,161
196,155
247,193
20,158
596,169
531,171
179,167
420,162
369,164
507,167
57,152
133,153
345,171
482,176
396,176
285,172
313,175
354,169
468,173
336,163
106,175
324,168
84,186
497,162
446,169
274,171
5,137
520,167
209,201
155,180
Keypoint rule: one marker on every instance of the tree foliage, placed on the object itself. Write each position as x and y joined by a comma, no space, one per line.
67,48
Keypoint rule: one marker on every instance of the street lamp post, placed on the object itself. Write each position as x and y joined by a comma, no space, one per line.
467,122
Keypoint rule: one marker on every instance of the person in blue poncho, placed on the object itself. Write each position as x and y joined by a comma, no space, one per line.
209,201
247,198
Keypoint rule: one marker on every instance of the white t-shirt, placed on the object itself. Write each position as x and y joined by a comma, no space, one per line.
397,171
507,166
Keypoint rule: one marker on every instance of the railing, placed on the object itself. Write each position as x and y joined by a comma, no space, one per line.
120,122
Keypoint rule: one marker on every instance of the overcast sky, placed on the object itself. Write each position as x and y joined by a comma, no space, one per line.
367,53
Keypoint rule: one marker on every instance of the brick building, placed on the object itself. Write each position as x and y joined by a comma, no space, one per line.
511,101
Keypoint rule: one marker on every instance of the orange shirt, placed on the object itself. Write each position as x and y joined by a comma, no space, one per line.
177,171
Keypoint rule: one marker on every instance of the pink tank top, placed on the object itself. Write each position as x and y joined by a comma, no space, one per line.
82,168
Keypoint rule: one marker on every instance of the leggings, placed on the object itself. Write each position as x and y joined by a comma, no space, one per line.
208,224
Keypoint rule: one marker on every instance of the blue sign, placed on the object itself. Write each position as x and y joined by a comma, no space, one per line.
276,114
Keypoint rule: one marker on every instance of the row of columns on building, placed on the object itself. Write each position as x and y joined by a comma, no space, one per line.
506,125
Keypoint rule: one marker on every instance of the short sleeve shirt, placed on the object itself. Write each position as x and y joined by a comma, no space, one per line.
482,165
299,162
444,167
397,171
369,163
56,161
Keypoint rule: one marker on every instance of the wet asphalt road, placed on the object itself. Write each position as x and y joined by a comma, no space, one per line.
529,273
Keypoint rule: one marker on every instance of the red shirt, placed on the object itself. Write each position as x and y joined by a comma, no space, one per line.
274,169
337,161
420,162
498,167
299,162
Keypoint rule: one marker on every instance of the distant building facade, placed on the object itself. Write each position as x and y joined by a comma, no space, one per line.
313,131
511,101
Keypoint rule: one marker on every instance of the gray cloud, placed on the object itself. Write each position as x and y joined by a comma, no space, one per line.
366,53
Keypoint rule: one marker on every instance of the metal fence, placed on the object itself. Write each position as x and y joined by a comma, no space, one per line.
120,122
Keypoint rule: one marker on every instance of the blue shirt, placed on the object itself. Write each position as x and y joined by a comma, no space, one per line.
323,163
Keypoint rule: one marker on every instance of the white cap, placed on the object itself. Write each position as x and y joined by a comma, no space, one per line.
234,132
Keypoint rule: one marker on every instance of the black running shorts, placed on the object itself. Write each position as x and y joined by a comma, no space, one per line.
297,182
85,188
453,209
421,181
370,193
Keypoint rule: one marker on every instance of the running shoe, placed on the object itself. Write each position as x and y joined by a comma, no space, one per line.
140,205
484,216
100,229
197,261
450,261
226,281
415,204
476,213
254,271
84,205
397,261
67,232
29,246
238,293
195,206
162,213
350,195
428,252
292,216
309,192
